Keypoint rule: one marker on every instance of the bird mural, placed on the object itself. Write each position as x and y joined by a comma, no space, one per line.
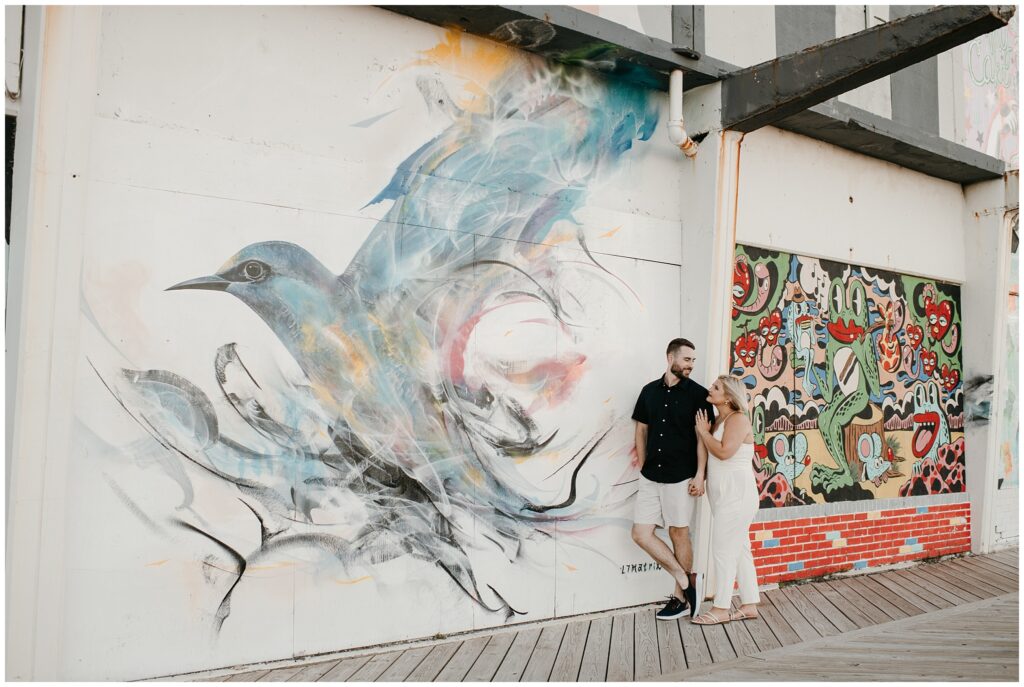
411,433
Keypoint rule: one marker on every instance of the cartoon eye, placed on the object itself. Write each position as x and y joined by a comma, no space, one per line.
837,296
743,351
775,330
857,298
933,394
737,291
254,270
932,319
942,321
921,395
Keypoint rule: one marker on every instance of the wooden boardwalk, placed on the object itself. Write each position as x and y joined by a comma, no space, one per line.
955,619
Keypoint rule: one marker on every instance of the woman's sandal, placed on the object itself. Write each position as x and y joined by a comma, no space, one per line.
709,618
743,615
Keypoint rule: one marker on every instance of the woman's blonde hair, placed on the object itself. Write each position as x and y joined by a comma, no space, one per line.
736,393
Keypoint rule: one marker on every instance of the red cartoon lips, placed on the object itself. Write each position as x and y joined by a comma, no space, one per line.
914,335
925,433
746,349
845,331
950,377
929,360
769,328
939,318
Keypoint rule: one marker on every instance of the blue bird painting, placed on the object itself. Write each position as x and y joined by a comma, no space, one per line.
403,406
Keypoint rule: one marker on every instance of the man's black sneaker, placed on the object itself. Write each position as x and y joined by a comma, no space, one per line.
673,609
696,589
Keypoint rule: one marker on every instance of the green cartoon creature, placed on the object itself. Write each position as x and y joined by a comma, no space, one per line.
851,378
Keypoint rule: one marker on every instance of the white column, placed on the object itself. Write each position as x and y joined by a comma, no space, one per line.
48,215
983,301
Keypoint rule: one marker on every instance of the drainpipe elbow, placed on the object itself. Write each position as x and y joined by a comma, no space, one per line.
676,130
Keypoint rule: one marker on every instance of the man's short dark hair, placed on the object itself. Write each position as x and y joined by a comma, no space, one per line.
675,344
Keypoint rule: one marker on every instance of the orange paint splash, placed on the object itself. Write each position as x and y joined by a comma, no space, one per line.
155,564
610,233
356,580
477,62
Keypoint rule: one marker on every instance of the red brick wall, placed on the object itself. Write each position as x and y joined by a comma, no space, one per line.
811,547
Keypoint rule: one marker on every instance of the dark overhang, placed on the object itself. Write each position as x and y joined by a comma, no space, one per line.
568,35
866,133
773,90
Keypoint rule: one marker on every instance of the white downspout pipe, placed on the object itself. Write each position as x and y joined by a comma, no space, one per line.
676,130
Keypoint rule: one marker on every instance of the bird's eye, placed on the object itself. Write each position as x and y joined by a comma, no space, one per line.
254,270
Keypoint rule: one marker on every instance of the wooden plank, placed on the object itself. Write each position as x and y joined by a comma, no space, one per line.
996,563
908,609
776,623
848,609
594,666
373,668
904,591
739,637
620,652
460,663
718,643
695,647
543,658
983,576
514,663
856,598
247,676
1010,557
648,659
281,674
345,668
314,671
670,647
995,568
406,663
834,615
820,622
966,577
491,657
570,654
788,611
956,589
430,666
922,588
871,595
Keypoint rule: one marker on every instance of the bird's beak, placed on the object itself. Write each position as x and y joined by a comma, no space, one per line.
211,283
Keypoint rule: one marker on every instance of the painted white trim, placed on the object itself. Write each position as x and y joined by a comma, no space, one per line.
48,266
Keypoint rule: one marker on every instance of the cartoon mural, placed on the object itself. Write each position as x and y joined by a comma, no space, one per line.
455,395
1009,423
855,375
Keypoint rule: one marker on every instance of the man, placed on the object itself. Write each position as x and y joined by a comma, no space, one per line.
672,462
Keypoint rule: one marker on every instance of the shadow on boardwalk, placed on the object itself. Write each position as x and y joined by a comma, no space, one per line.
952,620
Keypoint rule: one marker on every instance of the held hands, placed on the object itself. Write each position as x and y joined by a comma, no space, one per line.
703,424
697,486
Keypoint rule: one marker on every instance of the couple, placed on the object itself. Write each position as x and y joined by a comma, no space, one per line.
674,419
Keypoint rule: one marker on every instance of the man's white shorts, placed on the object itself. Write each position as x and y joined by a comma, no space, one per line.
664,504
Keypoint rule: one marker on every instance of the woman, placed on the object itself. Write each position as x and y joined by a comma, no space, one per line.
732,491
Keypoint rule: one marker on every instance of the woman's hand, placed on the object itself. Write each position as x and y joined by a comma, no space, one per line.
703,423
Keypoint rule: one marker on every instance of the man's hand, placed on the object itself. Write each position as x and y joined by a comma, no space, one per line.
697,486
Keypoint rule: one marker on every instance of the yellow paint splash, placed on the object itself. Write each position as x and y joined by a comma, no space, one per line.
155,564
478,62
570,568
356,580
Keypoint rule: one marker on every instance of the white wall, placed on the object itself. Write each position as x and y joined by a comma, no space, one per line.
743,35
200,131
833,203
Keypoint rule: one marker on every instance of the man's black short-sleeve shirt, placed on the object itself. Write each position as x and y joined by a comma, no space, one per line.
670,414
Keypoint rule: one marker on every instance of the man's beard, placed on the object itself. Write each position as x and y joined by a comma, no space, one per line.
678,372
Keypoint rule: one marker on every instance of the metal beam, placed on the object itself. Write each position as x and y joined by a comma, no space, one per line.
780,88
571,36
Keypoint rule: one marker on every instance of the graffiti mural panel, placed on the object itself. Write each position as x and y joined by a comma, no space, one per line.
416,406
991,94
856,378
